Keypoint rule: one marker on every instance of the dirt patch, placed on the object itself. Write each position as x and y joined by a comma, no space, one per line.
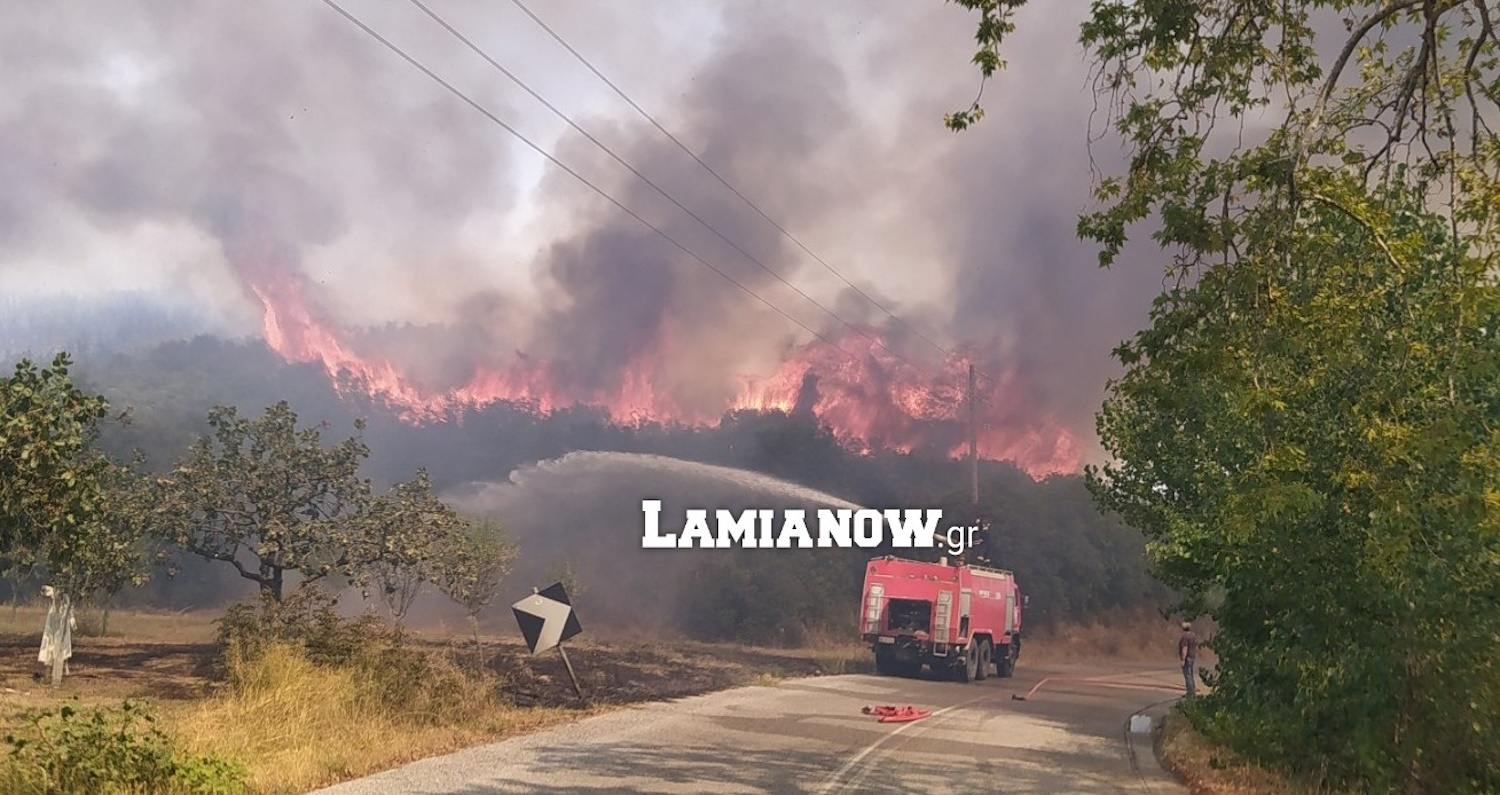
111,668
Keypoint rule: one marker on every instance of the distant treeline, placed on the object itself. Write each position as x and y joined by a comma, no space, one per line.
1073,561
38,327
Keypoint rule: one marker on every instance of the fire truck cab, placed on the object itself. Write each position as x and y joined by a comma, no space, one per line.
956,619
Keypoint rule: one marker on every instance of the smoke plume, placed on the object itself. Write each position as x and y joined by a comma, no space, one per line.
309,187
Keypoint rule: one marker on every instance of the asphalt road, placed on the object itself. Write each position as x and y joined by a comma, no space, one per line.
809,736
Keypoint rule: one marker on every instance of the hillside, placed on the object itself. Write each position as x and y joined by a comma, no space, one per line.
1074,562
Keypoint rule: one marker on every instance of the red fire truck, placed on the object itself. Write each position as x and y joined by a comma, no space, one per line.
957,619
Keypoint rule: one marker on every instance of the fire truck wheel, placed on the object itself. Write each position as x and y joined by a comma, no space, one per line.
970,669
982,670
885,665
1006,664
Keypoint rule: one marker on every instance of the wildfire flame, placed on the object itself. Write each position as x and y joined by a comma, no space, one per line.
873,400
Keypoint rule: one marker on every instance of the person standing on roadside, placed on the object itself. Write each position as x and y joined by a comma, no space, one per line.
1187,652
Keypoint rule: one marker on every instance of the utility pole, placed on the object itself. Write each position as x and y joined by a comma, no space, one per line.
973,440
981,538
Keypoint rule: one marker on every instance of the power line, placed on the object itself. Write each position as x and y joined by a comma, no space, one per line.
544,153
732,189
632,169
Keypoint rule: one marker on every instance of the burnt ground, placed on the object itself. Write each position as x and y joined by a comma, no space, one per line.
609,672
112,667
622,673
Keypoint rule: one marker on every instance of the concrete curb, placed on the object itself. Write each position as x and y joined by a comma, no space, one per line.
1140,747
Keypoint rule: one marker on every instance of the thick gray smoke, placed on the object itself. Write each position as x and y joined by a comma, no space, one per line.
214,148
620,294
266,129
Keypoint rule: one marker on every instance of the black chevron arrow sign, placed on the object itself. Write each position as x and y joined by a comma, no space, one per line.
546,618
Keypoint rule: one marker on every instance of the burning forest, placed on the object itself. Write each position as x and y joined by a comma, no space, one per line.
346,210
855,384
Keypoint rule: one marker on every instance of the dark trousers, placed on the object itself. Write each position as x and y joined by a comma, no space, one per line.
1189,676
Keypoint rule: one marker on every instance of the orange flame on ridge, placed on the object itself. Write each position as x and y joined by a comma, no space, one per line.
874,400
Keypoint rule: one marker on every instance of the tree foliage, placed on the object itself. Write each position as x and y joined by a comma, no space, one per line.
65,505
473,564
402,541
120,543
996,21
49,472
1187,83
1324,482
267,497
1306,432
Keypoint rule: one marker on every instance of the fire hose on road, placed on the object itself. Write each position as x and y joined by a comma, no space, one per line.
891,714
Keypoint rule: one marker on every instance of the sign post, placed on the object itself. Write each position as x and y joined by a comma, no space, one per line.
546,619
572,676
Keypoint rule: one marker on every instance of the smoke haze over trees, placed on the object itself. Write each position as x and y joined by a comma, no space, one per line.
1074,562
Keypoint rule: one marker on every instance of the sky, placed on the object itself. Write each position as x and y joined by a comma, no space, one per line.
166,146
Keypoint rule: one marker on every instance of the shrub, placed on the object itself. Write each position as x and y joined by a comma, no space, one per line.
308,620
109,751
408,683
417,687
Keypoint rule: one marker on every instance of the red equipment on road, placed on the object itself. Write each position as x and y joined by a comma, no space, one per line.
904,714
955,619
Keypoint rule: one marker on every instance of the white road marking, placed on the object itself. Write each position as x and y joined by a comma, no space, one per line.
832,782
864,770
835,782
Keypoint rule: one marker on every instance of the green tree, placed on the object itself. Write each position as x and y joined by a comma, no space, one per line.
120,544
49,471
996,21
1304,432
473,566
1324,482
1184,79
268,498
64,505
403,539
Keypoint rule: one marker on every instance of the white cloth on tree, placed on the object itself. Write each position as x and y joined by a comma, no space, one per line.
57,633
